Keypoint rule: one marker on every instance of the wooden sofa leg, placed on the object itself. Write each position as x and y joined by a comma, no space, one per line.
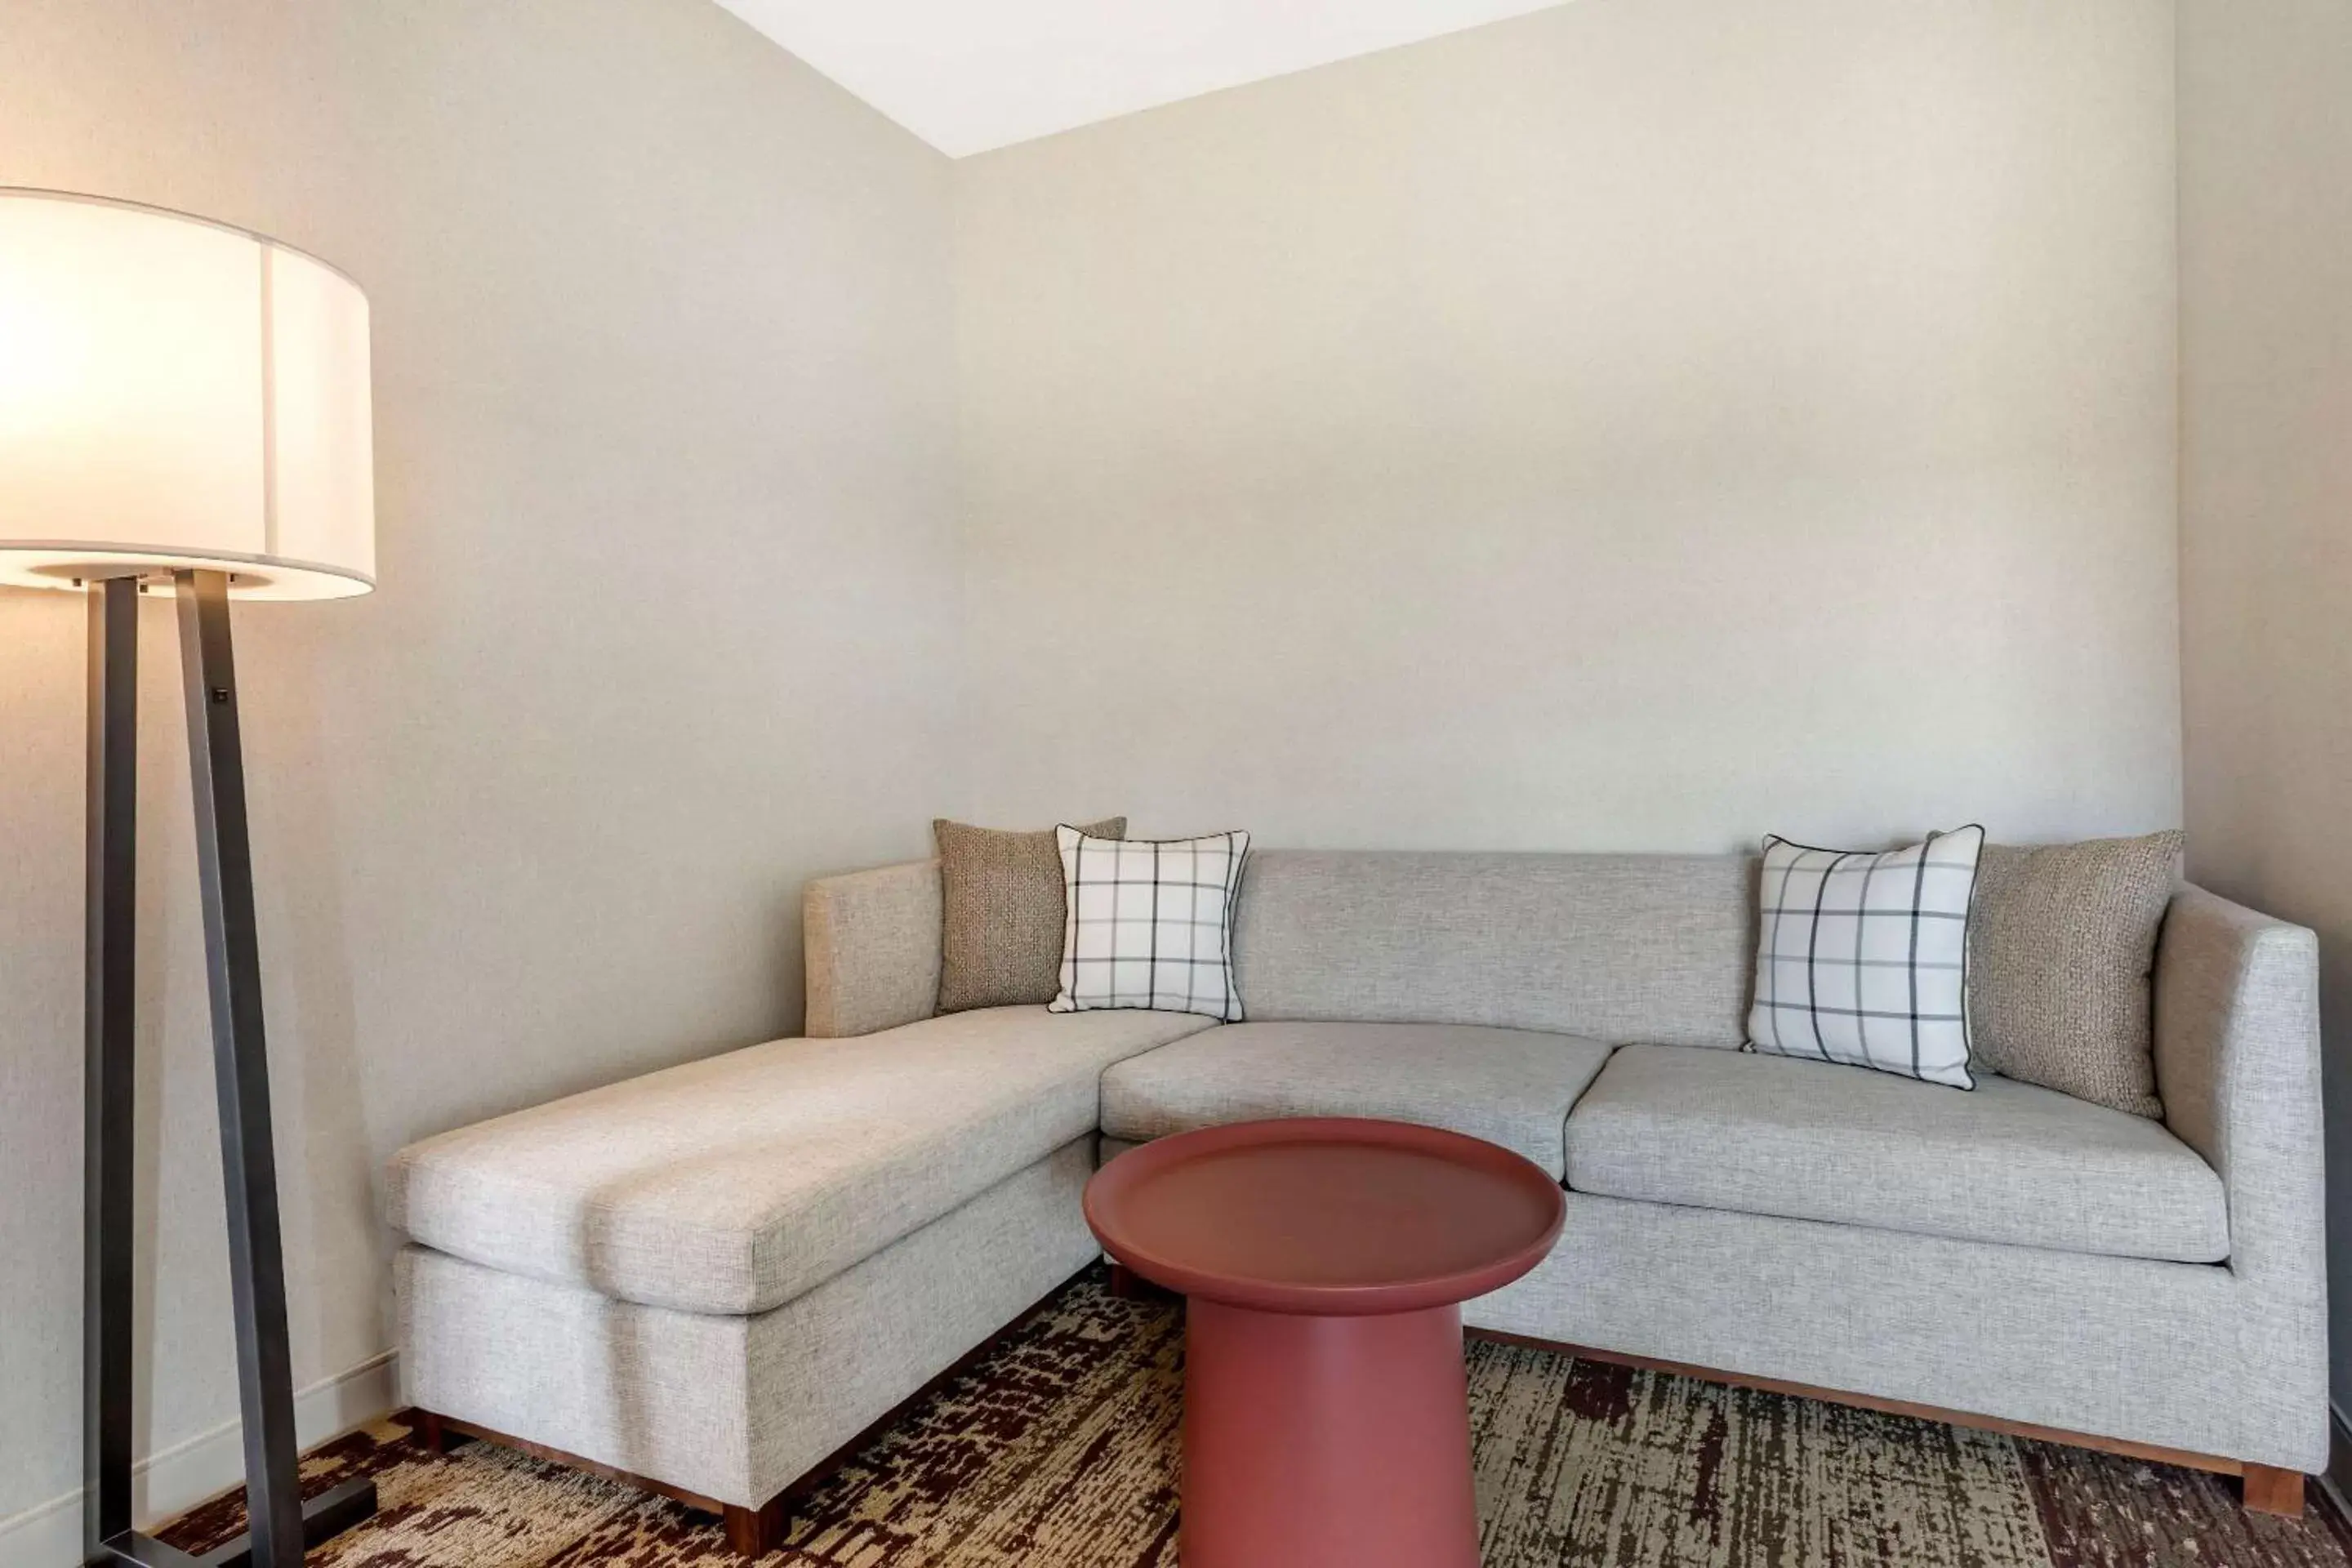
2273,1491
1128,1286
434,1436
756,1532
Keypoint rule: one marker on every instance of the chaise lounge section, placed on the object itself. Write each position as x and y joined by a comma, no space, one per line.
716,1277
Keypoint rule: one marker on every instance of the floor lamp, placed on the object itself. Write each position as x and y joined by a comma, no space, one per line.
183,409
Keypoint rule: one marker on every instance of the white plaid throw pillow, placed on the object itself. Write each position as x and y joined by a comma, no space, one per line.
1150,924
1862,959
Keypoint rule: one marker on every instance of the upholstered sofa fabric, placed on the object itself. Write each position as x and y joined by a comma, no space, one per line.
2236,1061
2009,1162
734,1407
2184,1356
1511,1087
872,943
735,1183
1610,947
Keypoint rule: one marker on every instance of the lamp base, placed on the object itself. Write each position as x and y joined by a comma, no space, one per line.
324,1517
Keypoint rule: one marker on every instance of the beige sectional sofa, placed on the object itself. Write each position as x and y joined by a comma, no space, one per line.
716,1277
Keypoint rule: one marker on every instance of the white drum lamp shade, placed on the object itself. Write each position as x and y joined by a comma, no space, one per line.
176,394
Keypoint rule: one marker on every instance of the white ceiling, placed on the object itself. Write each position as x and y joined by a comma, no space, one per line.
970,75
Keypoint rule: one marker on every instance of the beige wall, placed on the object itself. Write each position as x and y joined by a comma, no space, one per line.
1647,423
1643,424
2266,497
665,467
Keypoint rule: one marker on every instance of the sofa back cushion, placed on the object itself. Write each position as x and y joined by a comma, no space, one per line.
1654,948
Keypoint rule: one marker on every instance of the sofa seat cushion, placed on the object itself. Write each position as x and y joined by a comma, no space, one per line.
734,1183
2003,1163
1510,1087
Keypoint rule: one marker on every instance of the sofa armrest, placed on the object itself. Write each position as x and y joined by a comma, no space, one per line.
2237,1065
873,945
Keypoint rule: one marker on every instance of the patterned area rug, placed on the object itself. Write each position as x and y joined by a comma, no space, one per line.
1059,1450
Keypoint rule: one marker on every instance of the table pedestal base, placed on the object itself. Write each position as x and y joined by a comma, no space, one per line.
1326,1442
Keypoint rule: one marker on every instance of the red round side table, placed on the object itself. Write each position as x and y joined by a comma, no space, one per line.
1327,1419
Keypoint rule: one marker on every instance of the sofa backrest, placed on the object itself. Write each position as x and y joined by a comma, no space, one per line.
1654,948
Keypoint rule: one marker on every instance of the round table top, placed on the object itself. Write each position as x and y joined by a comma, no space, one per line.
1329,1215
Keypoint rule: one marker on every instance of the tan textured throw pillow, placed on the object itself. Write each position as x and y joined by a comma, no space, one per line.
2062,943
1001,926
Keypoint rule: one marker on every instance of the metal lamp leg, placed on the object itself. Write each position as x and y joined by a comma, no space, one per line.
109,1089
241,1069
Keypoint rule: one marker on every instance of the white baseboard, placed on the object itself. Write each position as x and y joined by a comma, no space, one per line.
49,1534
